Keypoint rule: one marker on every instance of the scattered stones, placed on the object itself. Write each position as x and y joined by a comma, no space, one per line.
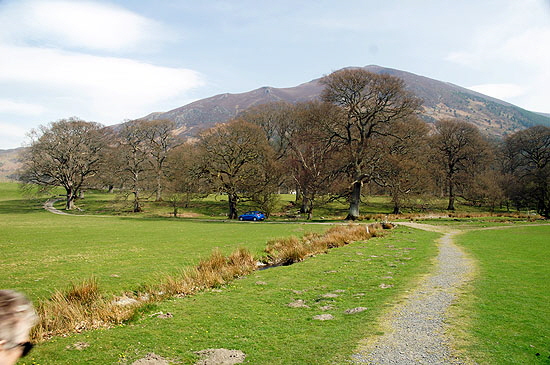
385,286
298,291
261,283
326,307
339,291
123,301
298,304
220,357
323,317
387,277
216,290
151,359
165,315
330,295
79,346
114,276
360,294
331,272
355,310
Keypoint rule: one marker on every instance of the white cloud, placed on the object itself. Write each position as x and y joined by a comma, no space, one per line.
12,130
13,107
513,53
499,91
108,88
50,67
77,24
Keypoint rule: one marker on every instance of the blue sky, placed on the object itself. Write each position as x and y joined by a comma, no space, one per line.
107,61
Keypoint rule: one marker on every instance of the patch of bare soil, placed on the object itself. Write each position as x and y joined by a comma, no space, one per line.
151,359
220,357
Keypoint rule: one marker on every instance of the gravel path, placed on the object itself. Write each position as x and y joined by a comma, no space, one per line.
414,330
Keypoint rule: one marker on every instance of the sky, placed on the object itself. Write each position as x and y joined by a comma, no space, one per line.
110,61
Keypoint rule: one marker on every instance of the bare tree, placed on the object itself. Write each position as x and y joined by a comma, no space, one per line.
529,162
65,153
313,159
231,156
132,160
275,121
184,179
403,166
372,104
160,140
459,150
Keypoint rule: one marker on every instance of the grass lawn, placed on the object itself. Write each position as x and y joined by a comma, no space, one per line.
252,314
42,251
215,206
508,310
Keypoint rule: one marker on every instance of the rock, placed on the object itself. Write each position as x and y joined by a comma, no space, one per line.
324,317
385,286
79,346
261,283
220,357
123,301
355,310
165,315
298,304
326,307
151,359
330,295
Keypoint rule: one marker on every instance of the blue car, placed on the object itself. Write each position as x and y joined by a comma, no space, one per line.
253,215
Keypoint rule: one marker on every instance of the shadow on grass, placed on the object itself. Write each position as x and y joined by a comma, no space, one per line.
21,206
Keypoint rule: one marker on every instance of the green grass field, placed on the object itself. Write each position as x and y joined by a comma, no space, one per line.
215,207
508,309
42,251
252,313
505,318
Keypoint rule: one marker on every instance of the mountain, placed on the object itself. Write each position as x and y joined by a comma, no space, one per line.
440,100
9,162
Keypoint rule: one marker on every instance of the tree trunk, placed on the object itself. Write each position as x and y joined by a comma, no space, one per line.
396,208
354,201
137,204
305,204
298,194
69,205
232,199
159,188
111,188
451,196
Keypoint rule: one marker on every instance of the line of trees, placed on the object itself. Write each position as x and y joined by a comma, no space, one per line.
363,133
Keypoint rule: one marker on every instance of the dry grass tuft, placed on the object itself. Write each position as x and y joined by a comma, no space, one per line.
286,251
80,308
209,273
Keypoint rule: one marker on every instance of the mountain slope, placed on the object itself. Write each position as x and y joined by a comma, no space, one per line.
441,100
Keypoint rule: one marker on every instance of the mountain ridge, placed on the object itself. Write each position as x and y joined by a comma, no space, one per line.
440,100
